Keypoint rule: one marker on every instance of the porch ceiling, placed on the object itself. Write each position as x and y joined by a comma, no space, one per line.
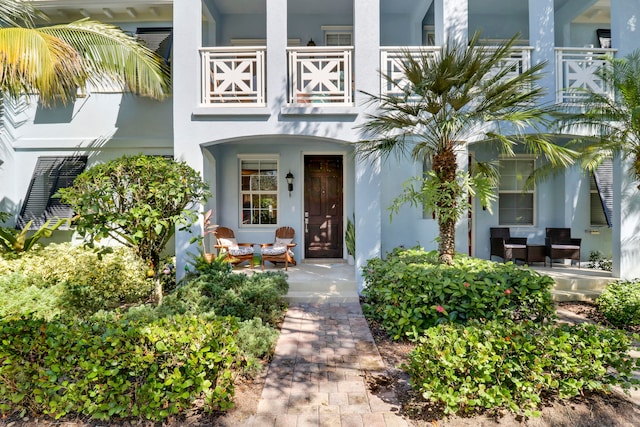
58,11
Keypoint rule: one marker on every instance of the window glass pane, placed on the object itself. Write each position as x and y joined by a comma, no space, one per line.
597,212
259,187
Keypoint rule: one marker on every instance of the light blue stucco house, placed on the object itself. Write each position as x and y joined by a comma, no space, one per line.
264,88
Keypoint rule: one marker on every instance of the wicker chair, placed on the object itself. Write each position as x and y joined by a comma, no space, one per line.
560,245
236,252
280,249
506,247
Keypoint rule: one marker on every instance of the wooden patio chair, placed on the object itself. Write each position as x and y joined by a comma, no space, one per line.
560,245
280,249
236,252
507,247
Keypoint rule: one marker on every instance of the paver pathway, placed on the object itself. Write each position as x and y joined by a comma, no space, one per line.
317,375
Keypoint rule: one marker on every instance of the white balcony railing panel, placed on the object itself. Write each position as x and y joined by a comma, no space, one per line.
320,75
233,76
576,72
391,65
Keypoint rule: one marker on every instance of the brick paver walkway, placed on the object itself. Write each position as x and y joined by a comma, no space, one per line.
317,375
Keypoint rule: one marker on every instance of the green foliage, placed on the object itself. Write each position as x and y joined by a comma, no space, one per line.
503,364
107,370
620,303
72,278
136,200
350,236
411,291
598,261
18,241
228,294
257,342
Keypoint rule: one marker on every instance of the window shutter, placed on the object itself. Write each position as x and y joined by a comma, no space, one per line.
158,40
50,174
603,180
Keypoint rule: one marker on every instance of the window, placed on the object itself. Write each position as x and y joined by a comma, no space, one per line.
259,191
601,194
338,35
50,174
515,206
158,40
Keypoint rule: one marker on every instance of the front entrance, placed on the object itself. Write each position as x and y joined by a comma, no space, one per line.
323,234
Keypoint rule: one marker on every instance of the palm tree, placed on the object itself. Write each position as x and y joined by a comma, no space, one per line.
54,61
446,98
612,123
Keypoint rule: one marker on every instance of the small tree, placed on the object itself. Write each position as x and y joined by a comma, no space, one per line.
138,201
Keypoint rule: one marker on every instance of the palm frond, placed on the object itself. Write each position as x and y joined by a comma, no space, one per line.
32,61
16,13
110,53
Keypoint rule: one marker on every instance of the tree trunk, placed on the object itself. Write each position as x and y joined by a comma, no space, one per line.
445,166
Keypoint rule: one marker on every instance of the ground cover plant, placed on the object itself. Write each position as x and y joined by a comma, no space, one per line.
410,291
485,337
133,358
619,302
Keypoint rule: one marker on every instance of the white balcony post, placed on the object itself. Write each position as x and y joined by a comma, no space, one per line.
368,181
276,54
542,38
625,37
452,20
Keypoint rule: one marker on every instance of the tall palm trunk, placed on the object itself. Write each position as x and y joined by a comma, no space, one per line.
445,167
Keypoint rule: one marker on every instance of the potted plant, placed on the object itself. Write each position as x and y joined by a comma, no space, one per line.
350,238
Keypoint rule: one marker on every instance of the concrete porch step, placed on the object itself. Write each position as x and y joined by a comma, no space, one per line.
579,295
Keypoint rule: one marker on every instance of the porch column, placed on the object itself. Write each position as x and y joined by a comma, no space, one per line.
451,20
276,55
367,198
625,37
542,39
187,37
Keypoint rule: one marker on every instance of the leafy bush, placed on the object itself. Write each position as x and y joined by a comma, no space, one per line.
105,369
88,281
503,364
20,294
257,342
229,294
411,291
598,261
620,303
14,241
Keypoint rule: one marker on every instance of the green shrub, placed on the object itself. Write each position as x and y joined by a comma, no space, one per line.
229,294
116,369
599,261
620,303
503,364
90,282
20,294
411,291
257,342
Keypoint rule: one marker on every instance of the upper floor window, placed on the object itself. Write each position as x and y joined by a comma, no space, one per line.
259,191
157,39
516,206
338,35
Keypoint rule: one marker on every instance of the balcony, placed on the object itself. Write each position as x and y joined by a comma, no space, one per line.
391,64
576,71
318,75
233,76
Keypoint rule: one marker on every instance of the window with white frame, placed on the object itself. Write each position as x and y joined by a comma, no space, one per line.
338,35
516,206
259,191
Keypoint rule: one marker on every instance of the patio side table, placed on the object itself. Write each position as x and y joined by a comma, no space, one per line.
536,253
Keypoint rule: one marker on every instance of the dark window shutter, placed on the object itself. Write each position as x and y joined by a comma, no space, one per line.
603,177
158,40
50,174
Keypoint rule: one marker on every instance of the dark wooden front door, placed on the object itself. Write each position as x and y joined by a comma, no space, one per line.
323,206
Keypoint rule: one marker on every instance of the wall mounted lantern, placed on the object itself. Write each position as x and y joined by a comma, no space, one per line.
289,178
